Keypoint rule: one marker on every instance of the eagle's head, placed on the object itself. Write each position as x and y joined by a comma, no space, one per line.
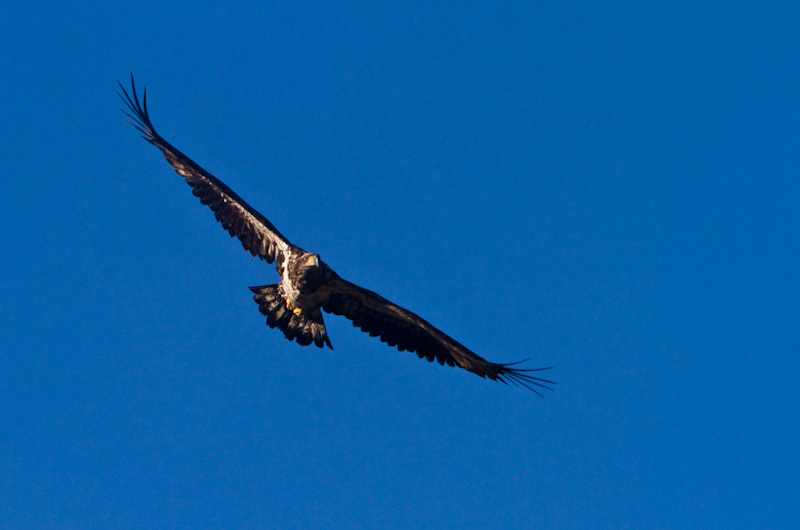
312,272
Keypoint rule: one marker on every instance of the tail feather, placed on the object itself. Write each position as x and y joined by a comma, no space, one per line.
307,328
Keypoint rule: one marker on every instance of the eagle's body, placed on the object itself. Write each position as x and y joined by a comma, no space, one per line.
306,281
308,286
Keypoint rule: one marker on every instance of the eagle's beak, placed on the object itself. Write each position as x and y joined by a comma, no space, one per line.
313,260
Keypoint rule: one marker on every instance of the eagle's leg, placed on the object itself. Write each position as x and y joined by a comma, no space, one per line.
296,310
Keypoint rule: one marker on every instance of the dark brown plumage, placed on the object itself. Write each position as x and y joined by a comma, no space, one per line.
308,285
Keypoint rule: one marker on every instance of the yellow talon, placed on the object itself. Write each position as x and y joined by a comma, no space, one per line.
296,310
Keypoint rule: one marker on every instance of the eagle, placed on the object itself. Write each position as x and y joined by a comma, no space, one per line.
308,285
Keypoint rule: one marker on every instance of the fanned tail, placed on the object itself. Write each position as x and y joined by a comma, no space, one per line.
306,328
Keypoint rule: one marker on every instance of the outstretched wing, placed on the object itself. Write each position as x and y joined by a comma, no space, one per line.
401,328
257,234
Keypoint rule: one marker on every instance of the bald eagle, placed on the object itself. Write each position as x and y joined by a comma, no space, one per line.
308,286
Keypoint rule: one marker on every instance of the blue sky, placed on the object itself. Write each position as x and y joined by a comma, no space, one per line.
609,189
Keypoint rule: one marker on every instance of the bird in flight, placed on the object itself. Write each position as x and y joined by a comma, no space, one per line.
308,286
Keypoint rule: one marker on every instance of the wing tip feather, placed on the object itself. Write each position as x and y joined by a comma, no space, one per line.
520,377
137,110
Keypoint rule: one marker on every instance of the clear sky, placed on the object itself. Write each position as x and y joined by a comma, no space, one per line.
607,188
